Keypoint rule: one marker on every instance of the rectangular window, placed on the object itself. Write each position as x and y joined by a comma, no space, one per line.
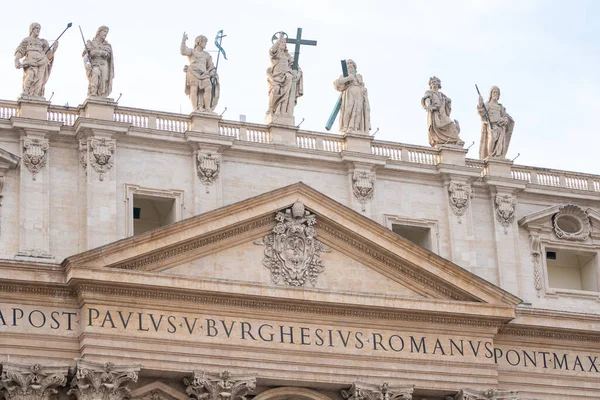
153,212
416,234
572,269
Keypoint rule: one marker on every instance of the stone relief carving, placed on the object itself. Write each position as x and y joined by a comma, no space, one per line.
36,57
494,139
99,64
82,147
571,223
208,167
490,394
153,395
505,209
365,391
98,381
222,387
442,130
292,251
31,382
355,111
200,75
35,154
536,253
459,195
363,186
102,155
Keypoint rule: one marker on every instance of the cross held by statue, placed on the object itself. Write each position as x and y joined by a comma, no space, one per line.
298,41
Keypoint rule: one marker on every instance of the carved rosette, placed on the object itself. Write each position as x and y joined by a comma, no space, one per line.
208,167
363,186
35,154
292,251
102,381
505,209
101,155
571,223
459,195
365,391
225,386
31,382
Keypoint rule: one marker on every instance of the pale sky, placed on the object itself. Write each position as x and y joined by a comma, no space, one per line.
544,55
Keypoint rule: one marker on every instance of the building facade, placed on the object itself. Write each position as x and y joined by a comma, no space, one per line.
164,256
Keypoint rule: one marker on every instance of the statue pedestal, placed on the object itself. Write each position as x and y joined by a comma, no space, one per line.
99,108
498,167
283,134
205,122
285,120
33,108
452,154
358,142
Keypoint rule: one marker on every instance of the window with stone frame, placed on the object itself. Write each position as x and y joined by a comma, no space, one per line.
423,232
148,209
572,269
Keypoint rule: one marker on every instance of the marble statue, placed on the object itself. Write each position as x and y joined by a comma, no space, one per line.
494,139
200,75
99,64
355,112
442,130
35,56
280,77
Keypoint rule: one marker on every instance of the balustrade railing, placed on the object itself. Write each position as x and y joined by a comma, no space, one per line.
556,178
407,153
66,115
8,109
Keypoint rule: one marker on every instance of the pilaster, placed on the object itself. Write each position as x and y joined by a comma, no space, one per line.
7,161
460,221
31,382
362,179
102,381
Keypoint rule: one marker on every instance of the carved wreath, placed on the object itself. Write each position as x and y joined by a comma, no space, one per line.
292,251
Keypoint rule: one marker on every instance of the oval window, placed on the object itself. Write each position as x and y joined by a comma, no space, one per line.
568,224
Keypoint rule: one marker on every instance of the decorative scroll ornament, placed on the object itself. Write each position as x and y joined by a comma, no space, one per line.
536,253
208,167
97,381
365,391
292,251
102,155
489,394
35,154
505,209
571,223
35,382
459,194
82,147
222,387
363,186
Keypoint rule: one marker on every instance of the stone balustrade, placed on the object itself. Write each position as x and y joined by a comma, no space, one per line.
332,143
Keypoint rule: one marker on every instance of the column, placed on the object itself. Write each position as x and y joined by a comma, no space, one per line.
223,386
367,391
460,221
102,381
31,382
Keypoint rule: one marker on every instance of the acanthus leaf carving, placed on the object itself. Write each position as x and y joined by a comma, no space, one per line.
536,254
363,186
489,394
459,195
35,154
83,148
365,391
292,251
31,382
505,209
101,155
102,381
225,386
208,166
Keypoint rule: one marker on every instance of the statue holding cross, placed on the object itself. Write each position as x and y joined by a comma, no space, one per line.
285,78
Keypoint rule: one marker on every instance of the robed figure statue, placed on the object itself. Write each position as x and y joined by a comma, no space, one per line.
495,138
99,64
355,112
442,130
280,77
200,75
35,56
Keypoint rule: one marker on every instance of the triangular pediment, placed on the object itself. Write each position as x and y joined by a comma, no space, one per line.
581,219
363,263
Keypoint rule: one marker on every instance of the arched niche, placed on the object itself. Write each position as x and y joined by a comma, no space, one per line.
291,393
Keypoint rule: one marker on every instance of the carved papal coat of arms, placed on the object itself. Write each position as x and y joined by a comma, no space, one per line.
292,251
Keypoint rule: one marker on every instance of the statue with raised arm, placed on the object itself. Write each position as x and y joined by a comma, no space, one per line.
355,112
442,130
35,56
495,138
200,75
99,64
280,77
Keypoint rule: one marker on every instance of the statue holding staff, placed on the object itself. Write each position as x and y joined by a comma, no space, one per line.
496,126
355,112
99,64
200,75
36,57
442,130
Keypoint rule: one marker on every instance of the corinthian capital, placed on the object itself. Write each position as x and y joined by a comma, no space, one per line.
102,381
31,382
367,391
203,386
